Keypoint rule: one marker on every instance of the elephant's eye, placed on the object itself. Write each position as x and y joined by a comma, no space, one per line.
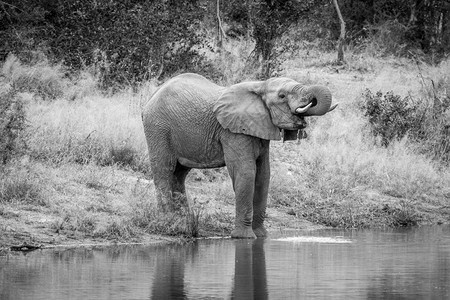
281,96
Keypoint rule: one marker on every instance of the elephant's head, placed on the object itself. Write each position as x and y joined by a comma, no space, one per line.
262,108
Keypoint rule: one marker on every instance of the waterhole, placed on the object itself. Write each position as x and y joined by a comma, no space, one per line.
327,264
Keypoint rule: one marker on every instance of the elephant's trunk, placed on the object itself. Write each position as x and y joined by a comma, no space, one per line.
319,101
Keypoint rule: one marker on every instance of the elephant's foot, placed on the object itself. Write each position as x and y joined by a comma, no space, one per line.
243,233
260,231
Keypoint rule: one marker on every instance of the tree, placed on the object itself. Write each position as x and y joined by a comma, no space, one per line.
129,41
272,18
341,40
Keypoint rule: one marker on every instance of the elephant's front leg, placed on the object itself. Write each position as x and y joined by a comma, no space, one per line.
261,192
240,157
243,177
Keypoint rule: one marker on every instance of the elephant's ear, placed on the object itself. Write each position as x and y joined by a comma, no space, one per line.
241,109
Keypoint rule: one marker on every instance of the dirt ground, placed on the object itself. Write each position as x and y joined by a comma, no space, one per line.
31,228
74,194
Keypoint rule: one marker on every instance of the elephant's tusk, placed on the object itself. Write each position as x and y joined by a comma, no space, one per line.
333,107
301,110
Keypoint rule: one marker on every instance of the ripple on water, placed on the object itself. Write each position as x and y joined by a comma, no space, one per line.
314,239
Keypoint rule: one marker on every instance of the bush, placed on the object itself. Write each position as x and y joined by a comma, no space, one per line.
426,122
390,116
12,125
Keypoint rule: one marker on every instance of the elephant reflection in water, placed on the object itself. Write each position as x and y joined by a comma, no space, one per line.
249,280
169,277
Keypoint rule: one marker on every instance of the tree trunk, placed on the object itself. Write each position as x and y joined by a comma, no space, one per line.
341,41
445,32
420,31
220,31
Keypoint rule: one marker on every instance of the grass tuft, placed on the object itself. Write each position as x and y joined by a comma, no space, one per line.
117,229
20,185
193,221
41,79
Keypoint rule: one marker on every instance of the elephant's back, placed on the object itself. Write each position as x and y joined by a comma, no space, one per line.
182,112
185,87
185,94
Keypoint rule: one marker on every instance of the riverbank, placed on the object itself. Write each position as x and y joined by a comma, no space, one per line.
75,204
83,177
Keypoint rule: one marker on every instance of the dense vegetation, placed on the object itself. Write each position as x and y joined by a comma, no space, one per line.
75,74
136,40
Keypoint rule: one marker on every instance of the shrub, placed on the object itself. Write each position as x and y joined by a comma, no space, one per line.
390,116
425,122
12,125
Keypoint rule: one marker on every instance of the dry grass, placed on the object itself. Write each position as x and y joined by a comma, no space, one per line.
87,158
339,177
41,79
21,185
93,129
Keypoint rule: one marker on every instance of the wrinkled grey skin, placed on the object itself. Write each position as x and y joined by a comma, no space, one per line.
191,122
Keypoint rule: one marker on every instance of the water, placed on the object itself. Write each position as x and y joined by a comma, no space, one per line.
329,264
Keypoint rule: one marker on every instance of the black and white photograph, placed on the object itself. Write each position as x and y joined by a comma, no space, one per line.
224,149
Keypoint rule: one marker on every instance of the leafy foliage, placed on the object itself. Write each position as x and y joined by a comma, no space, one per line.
128,41
392,117
412,25
125,41
267,21
134,40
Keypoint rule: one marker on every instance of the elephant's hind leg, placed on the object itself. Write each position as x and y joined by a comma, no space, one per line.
163,164
179,188
163,180
169,179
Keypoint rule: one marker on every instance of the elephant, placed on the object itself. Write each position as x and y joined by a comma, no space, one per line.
191,122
